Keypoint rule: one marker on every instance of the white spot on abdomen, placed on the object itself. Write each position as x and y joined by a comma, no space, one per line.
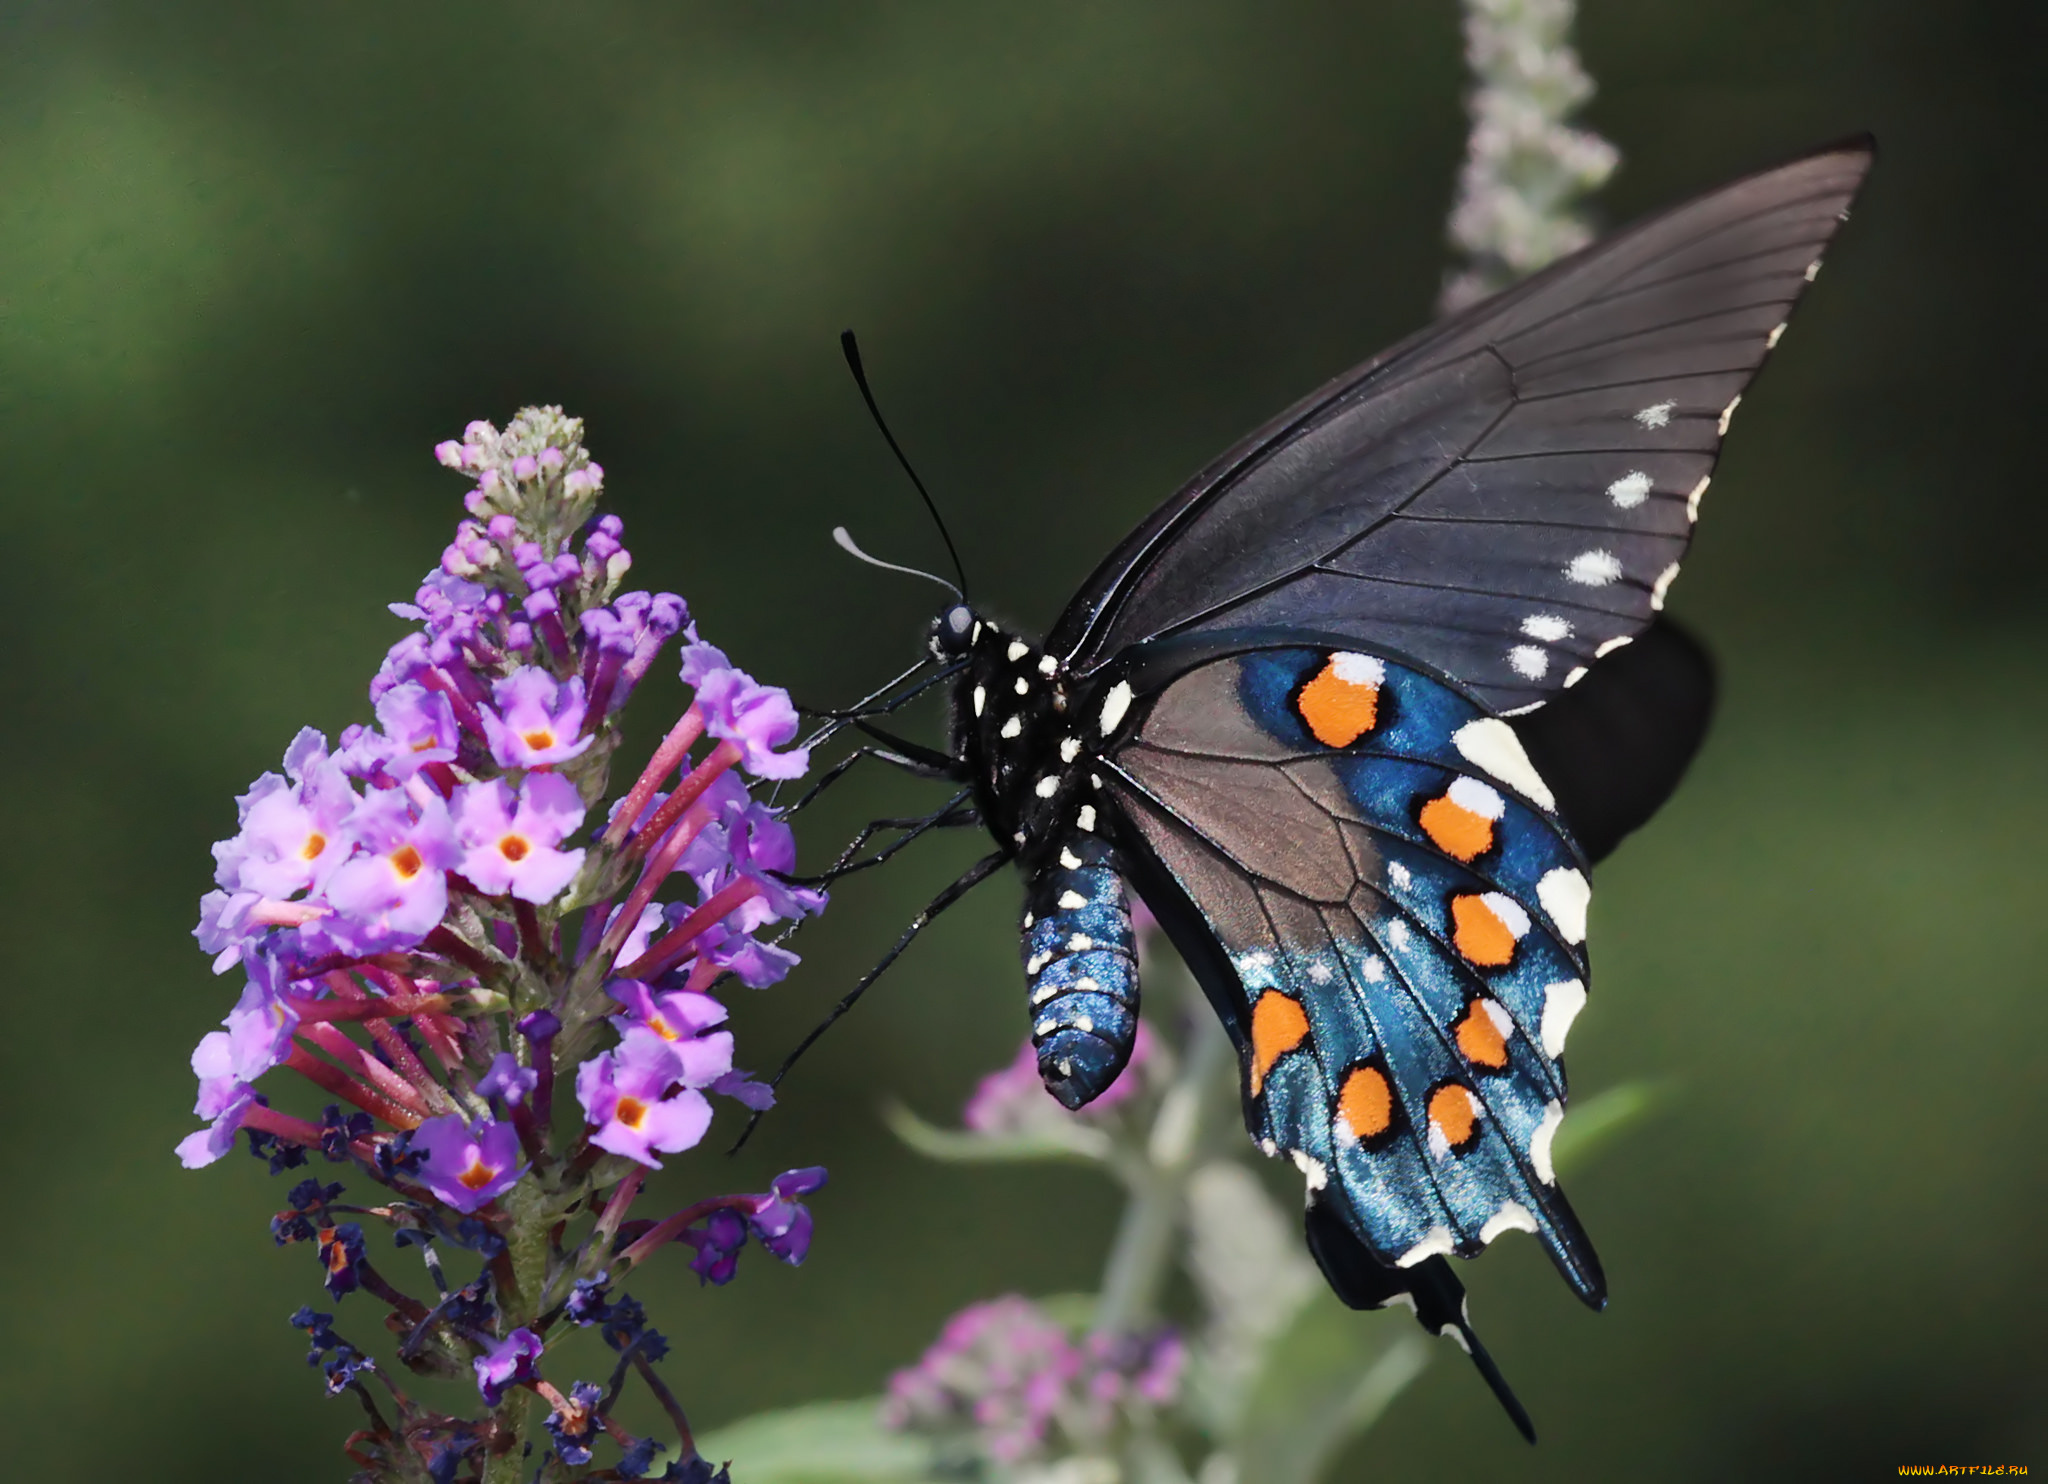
1072,901
1630,490
1492,746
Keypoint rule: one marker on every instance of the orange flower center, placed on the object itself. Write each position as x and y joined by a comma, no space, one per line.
630,1111
406,861
477,1176
514,847
540,739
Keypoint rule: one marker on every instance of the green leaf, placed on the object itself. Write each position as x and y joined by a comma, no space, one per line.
1327,1377
1594,1122
1069,1141
823,1443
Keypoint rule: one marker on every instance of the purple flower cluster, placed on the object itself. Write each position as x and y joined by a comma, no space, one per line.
440,916
1019,1387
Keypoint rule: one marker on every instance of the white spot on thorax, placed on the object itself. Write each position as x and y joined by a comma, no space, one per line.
1565,894
1070,748
980,699
1070,860
1086,818
1017,650
1561,1006
1048,786
1620,641
1656,415
1072,901
1048,666
1662,586
1492,746
1023,686
1014,727
1529,662
1630,490
1728,414
1595,568
1547,626
1114,705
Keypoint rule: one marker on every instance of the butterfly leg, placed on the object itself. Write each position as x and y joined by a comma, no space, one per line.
974,875
915,766
956,812
1429,1288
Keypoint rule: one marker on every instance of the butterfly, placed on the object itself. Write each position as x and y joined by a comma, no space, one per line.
1356,711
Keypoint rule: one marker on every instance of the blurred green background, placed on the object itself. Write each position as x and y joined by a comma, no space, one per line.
256,260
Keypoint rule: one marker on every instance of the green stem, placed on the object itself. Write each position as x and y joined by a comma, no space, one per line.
526,1250
1143,1252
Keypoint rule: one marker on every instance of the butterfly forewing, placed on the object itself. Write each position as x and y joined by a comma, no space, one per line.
1507,496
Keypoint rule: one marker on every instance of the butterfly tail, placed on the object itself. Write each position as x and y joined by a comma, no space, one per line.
1430,1288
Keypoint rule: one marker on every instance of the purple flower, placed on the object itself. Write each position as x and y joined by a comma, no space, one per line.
468,1164
781,1223
197,1150
508,1363
508,1080
574,1426
623,1093
341,1257
718,1240
395,890
511,847
536,722
291,835
680,1018
759,718
419,728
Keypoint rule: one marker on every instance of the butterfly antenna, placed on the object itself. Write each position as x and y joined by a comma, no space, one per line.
846,544
860,379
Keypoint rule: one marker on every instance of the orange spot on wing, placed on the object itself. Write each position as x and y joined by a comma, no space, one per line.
1278,1026
1338,711
1481,1039
1456,831
1366,1105
1454,1113
1479,933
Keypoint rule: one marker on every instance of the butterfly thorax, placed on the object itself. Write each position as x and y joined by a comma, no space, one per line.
1019,729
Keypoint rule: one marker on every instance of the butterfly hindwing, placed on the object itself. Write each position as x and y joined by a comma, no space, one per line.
1398,929
1507,496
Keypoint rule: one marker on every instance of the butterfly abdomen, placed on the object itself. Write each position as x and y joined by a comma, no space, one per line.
1080,959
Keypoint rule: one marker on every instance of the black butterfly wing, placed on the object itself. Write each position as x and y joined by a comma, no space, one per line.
1505,497
1371,883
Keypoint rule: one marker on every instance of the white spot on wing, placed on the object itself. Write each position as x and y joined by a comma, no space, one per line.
1630,490
1578,673
1813,270
1319,973
1397,934
1540,1141
1621,641
1663,585
1595,568
1114,705
1491,745
1656,415
1561,1006
1358,669
1547,626
1565,893
1456,1336
1317,1174
1728,414
1475,797
1399,875
1692,501
1529,662
1511,913
1375,970
1438,1242
1777,334
1511,1217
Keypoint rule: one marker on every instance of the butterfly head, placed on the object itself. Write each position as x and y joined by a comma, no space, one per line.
952,633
